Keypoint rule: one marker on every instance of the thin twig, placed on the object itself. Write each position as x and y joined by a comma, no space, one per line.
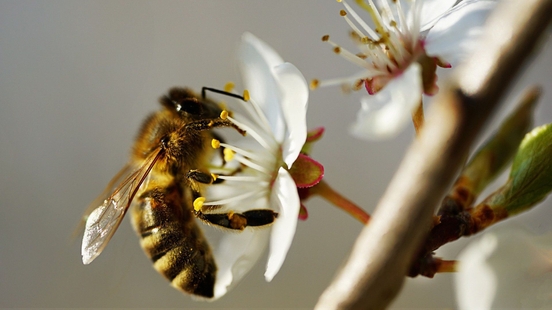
383,253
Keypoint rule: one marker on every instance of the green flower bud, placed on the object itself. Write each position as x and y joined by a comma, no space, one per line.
530,180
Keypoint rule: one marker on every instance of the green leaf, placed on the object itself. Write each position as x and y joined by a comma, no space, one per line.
530,180
532,169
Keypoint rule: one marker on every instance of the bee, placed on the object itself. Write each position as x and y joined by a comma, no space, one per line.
166,173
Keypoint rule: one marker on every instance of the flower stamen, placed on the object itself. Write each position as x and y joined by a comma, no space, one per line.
258,137
361,22
346,54
242,152
233,199
242,178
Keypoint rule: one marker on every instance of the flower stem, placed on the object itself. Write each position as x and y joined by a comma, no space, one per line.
447,266
418,118
429,265
325,191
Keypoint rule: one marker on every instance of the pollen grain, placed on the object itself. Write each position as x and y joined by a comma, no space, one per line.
198,203
215,143
224,114
246,96
228,87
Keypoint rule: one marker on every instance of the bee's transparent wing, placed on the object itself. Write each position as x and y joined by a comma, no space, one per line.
100,227
102,223
110,188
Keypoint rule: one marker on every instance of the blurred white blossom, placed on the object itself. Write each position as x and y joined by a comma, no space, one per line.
400,66
505,269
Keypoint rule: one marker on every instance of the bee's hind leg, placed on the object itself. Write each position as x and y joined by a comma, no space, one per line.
230,220
238,221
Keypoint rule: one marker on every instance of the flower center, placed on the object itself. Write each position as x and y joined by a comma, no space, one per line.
386,49
253,167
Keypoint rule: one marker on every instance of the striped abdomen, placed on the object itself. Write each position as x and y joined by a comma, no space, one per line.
174,242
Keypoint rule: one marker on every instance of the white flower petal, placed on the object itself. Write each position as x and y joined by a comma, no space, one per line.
284,194
456,34
396,101
505,269
295,95
269,56
236,255
257,61
432,10
413,14
475,276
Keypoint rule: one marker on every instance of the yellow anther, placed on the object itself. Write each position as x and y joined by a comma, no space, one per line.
224,114
228,154
342,13
246,96
198,203
358,85
228,87
214,176
325,38
215,143
314,84
339,1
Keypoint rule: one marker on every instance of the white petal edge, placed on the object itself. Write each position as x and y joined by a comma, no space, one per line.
432,10
396,101
519,262
475,282
284,194
295,96
236,255
270,57
256,62
456,34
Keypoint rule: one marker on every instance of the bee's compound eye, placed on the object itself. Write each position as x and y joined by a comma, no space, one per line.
192,107
164,141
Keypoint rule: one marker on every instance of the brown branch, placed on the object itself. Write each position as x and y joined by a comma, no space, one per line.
383,253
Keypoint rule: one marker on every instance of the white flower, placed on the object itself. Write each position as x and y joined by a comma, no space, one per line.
277,131
505,269
400,66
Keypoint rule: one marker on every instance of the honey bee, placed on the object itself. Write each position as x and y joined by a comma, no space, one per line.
166,173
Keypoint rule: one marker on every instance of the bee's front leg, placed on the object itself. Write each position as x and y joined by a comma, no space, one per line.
202,177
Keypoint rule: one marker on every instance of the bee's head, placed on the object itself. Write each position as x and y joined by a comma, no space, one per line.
187,104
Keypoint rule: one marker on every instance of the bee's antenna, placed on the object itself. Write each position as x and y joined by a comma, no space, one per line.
218,91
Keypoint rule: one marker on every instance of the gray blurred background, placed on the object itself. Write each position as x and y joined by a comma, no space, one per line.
76,80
